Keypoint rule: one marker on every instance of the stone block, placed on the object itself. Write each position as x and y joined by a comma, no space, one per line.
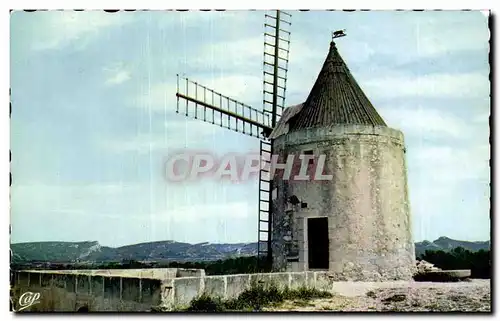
190,273
215,286
324,281
298,280
59,281
443,276
83,284
310,279
131,289
167,293
46,279
151,291
260,279
97,285
112,287
34,279
186,289
70,281
280,280
22,278
236,284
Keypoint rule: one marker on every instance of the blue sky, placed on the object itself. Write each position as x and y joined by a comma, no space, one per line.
93,118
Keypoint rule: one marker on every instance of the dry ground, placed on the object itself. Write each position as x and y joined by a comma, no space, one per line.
472,295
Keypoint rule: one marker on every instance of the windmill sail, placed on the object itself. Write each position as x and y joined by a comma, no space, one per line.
276,53
276,50
200,102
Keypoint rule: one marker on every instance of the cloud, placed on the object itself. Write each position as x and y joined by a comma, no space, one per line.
118,78
184,214
442,147
482,119
423,35
451,37
242,88
228,55
197,17
427,122
177,134
195,212
470,85
446,182
64,198
56,29
450,166
156,212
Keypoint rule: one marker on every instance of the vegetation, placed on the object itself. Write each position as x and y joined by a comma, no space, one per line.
459,258
479,262
238,265
254,299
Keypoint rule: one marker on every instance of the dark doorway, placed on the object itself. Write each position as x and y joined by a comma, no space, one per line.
317,237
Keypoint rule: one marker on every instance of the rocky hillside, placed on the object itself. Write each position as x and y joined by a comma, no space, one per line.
173,251
446,244
152,251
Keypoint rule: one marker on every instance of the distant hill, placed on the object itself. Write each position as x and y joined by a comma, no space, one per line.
446,244
173,251
152,251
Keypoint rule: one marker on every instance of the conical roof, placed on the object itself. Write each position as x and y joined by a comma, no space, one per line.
335,98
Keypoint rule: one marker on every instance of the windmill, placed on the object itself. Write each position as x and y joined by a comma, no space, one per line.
203,103
356,225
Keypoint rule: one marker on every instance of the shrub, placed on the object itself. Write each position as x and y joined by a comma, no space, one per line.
254,299
205,303
459,258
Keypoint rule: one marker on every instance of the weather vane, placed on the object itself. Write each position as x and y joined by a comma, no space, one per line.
338,34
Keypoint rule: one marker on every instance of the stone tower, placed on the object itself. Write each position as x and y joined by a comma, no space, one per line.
356,225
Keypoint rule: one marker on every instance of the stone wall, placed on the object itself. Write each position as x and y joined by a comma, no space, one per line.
69,291
183,290
366,203
154,273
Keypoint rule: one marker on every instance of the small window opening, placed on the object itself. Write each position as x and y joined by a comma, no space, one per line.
309,152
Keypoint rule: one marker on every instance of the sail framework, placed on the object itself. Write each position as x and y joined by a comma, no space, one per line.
276,52
199,102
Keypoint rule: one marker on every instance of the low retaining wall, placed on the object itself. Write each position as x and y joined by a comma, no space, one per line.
96,290
154,273
180,291
71,291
